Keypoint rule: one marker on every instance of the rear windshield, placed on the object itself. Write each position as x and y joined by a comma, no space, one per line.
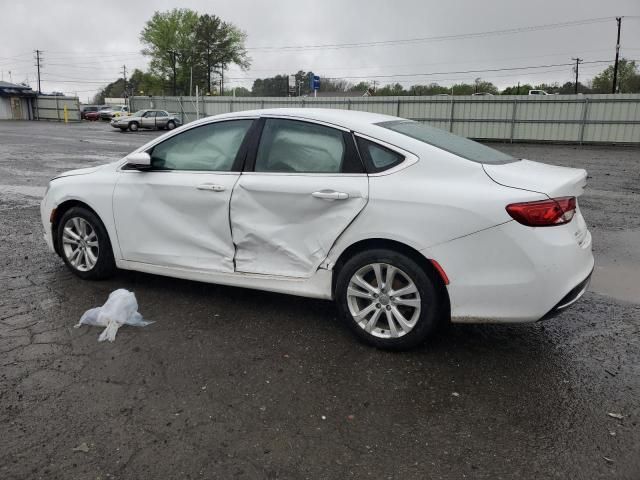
463,147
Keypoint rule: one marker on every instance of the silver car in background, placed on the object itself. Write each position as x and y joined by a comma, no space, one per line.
150,119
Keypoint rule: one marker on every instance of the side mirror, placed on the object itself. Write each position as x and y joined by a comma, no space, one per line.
139,160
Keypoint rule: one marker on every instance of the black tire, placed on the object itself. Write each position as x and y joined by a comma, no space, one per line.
171,125
133,126
105,264
430,300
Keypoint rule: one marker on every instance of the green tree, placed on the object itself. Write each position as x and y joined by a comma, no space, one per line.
145,83
169,39
139,83
219,44
237,92
277,86
517,90
430,89
482,86
391,90
628,78
189,47
463,89
360,87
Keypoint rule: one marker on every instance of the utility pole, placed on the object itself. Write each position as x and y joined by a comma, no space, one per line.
38,60
124,78
124,85
222,79
578,62
615,65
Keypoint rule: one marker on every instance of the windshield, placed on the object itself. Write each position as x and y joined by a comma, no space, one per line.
139,113
463,147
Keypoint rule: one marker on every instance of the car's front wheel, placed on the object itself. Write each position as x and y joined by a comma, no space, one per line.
84,244
133,126
387,299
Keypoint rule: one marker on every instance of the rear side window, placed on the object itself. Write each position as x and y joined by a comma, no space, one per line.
377,157
303,147
463,147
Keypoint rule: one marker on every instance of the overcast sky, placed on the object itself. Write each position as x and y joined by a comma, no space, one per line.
85,43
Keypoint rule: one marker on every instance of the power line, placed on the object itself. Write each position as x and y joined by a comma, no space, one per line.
388,76
430,74
438,38
401,41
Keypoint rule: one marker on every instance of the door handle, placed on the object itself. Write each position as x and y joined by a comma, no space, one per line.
330,195
211,186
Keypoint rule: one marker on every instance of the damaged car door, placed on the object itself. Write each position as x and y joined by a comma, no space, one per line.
304,183
176,213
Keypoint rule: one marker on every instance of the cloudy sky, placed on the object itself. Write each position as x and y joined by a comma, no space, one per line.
85,43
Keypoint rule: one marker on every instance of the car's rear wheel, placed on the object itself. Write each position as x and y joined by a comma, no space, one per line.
387,299
171,125
133,126
84,244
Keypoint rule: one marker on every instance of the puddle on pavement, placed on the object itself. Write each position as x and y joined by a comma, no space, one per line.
617,270
621,282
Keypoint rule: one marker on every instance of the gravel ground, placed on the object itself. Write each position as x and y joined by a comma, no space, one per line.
237,383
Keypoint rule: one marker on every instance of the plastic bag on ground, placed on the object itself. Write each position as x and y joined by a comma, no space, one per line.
121,308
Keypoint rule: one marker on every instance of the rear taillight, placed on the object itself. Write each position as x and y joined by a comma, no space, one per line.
544,213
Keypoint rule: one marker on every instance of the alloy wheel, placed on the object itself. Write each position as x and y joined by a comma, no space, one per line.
383,300
80,244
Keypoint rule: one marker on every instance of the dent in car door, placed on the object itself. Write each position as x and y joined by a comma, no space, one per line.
175,219
177,215
285,222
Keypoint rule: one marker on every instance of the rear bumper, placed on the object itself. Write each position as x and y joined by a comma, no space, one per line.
512,273
570,298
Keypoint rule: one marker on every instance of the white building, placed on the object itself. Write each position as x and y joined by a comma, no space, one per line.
16,101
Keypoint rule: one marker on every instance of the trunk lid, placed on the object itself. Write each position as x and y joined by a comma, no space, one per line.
539,177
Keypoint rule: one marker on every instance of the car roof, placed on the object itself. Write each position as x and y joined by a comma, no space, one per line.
352,119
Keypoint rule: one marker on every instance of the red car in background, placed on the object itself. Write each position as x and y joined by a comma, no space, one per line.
95,114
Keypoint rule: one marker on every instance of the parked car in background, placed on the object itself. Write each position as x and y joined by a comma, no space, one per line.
95,114
402,224
115,111
482,94
538,92
87,108
149,119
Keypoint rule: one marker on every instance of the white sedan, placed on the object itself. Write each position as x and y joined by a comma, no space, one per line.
403,225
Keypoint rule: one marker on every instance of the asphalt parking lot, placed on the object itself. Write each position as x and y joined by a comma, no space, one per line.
233,383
